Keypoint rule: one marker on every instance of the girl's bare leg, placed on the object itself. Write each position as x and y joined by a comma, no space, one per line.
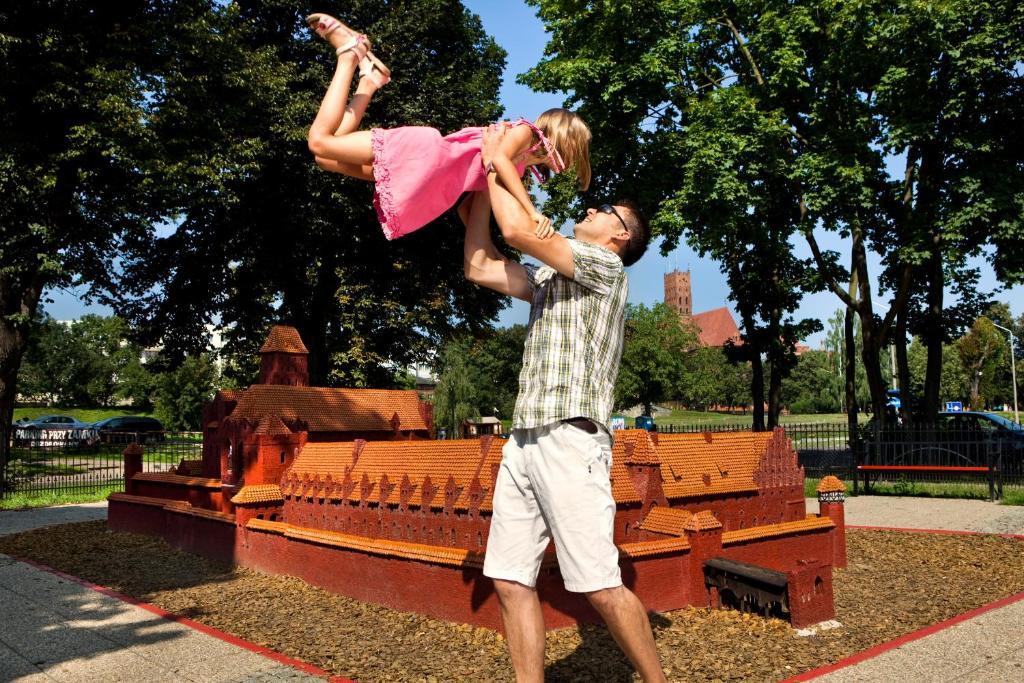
354,170
357,107
350,147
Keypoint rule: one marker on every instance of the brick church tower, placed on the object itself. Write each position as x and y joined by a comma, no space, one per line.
284,359
677,292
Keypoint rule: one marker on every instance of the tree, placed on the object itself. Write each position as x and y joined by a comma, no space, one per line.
982,353
76,157
455,396
714,162
479,375
263,235
654,355
809,101
80,363
179,395
811,386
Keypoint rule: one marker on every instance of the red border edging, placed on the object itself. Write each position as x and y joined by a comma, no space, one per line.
882,648
195,625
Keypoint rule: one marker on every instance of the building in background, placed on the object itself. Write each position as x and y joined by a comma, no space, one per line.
716,327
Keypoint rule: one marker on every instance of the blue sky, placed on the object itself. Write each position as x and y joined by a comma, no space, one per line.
516,28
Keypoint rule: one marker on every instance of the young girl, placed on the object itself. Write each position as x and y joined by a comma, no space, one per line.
419,174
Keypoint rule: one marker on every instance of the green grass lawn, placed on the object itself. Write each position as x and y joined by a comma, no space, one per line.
43,499
81,414
1012,495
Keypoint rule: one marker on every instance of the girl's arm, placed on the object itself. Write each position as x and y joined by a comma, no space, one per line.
515,141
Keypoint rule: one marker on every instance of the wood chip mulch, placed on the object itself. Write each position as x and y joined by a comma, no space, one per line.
895,583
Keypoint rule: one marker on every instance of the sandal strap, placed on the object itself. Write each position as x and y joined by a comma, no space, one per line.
353,45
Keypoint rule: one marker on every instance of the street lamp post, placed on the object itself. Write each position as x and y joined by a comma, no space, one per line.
1013,370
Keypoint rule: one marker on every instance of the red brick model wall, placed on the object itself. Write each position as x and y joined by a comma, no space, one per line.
284,368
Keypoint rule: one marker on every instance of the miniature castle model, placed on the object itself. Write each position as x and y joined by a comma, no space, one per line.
392,518
715,327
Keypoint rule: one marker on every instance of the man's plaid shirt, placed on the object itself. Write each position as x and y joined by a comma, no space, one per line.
574,340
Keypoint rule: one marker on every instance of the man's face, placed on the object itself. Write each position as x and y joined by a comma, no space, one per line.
600,226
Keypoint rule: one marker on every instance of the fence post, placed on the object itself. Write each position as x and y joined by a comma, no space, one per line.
132,465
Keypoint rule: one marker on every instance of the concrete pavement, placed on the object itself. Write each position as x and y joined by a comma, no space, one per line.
55,629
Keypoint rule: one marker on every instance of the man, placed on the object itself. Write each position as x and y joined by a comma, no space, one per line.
554,476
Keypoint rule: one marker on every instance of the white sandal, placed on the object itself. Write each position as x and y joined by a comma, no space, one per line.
370,67
360,46
324,25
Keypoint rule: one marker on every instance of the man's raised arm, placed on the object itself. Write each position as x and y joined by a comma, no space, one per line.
516,226
482,263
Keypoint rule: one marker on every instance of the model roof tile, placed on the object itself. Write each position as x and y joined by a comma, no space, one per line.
271,425
662,520
710,463
258,493
811,523
283,339
324,409
830,484
703,521
649,548
637,447
462,460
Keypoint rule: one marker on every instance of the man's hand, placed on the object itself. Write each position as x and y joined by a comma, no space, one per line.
493,135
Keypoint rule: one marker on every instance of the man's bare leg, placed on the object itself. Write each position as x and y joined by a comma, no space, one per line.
524,629
627,620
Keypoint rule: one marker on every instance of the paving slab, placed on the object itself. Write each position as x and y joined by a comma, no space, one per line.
946,514
16,521
987,647
55,629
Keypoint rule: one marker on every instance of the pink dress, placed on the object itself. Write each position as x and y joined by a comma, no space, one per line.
419,175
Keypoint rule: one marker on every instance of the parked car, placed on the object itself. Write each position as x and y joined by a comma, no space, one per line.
128,429
52,430
956,439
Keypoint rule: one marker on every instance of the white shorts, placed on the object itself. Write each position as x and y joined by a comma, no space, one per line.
554,482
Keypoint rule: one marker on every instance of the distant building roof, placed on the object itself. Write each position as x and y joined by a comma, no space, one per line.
283,339
485,420
331,410
717,327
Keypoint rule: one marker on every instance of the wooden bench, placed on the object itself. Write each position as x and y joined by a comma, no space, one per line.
990,474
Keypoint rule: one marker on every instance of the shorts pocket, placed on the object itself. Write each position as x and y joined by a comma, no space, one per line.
584,446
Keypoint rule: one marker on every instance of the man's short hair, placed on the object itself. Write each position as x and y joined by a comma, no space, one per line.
639,232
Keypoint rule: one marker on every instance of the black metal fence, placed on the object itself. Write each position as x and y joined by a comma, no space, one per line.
898,456
941,453
823,448
76,461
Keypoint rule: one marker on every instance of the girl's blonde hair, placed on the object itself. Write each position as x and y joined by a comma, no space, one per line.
571,137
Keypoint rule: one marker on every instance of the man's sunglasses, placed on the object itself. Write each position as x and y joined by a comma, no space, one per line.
608,208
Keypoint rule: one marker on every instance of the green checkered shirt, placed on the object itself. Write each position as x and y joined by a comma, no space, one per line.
574,340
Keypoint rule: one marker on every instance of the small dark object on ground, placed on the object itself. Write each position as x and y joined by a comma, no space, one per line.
896,583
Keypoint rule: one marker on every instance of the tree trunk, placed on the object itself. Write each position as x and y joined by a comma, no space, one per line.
934,337
18,303
850,357
902,364
774,394
757,391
